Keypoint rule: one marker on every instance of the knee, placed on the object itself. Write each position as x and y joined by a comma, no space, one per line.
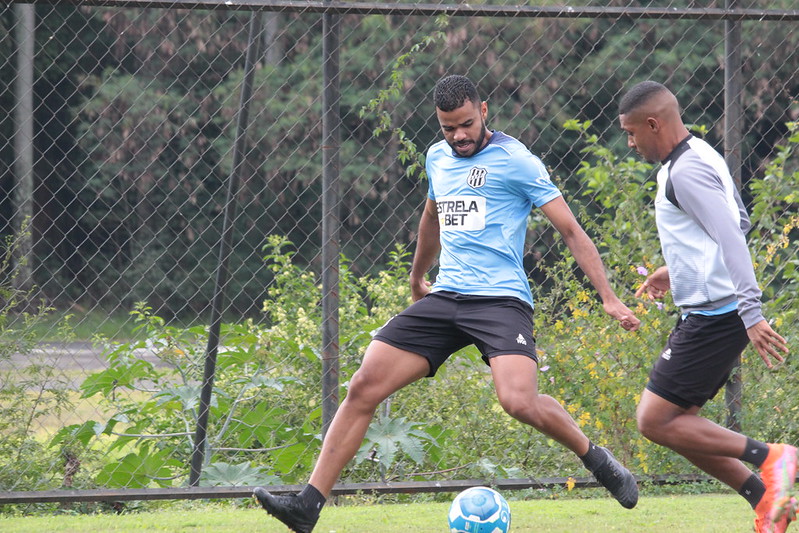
363,390
522,408
649,426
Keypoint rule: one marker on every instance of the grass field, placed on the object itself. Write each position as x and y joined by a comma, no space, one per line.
85,325
657,514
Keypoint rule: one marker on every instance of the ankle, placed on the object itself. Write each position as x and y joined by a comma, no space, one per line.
753,490
755,452
311,496
594,457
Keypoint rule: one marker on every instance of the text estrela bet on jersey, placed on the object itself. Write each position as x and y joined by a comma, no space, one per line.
483,203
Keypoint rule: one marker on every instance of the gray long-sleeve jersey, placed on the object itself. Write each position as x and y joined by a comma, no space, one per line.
702,225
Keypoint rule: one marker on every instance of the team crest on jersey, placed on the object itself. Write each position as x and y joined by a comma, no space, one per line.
477,177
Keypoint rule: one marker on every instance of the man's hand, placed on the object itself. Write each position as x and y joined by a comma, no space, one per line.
656,285
767,343
419,287
623,314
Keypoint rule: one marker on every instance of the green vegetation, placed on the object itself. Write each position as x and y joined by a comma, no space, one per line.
151,191
85,325
137,107
654,514
265,410
29,394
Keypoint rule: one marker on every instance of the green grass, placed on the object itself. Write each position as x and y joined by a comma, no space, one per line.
117,325
85,325
726,513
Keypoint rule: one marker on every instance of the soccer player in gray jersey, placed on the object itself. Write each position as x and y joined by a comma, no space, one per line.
702,224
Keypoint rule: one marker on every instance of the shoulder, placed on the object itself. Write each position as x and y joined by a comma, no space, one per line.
699,163
441,148
517,154
508,144
703,150
699,154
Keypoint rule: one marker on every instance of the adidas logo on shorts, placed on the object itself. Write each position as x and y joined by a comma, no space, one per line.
520,340
667,354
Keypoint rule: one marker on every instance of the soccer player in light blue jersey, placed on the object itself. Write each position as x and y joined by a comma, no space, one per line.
483,185
702,224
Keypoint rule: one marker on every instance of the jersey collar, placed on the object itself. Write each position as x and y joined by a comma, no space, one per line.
680,149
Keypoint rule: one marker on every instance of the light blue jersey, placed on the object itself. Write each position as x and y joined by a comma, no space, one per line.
483,203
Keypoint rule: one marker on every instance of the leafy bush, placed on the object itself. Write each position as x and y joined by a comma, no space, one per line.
28,392
771,409
265,401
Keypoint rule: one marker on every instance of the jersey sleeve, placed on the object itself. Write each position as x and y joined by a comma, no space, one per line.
529,178
697,191
429,157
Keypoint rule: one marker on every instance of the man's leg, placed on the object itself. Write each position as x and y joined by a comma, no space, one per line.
683,430
384,370
720,451
731,471
516,382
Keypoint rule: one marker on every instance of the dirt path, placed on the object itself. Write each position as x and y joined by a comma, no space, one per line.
76,360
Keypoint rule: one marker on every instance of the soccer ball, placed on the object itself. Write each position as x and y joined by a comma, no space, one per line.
479,510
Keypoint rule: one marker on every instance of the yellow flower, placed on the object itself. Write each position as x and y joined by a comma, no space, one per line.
642,462
570,483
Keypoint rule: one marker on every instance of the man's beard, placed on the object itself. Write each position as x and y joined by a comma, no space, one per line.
477,145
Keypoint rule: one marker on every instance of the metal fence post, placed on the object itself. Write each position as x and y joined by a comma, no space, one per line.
331,248
225,246
24,32
733,127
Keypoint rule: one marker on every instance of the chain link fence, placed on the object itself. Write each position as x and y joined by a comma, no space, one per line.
185,185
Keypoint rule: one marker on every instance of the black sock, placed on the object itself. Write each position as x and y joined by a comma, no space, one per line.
753,490
594,457
755,452
312,497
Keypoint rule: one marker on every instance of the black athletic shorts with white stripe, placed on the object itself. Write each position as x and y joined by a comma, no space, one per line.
443,322
698,358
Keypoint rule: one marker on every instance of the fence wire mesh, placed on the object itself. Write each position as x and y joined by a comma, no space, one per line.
127,118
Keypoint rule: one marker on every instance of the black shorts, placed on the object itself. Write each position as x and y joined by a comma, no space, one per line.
443,322
700,354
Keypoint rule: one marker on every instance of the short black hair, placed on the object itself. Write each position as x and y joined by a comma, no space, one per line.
452,92
639,95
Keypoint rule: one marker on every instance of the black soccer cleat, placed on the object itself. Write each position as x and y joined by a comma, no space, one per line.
618,480
290,510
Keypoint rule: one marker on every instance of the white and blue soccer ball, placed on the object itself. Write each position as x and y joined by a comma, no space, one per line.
479,510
